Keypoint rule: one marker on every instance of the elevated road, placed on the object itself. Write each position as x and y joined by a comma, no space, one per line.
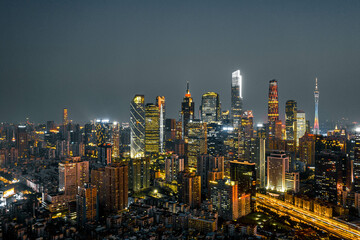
339,229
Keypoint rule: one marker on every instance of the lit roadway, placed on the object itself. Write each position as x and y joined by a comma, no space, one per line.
340,229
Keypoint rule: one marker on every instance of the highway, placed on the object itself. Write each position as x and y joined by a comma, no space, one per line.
339,229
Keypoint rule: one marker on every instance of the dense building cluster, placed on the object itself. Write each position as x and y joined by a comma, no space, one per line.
157,177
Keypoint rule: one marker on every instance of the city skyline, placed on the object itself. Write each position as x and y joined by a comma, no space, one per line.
99,72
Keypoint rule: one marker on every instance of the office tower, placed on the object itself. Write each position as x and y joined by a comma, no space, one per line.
262,165
101,132
152,129
316,96
216,137
125,140
65,117
116,187
137,127
104,154
190,189
236,98
210,107
273,103
173,165
197,141
224,197
244,174
206,164
73,174
277,165
187,110
307,149
22,144
278,129
115,136
291,120
292,181
160,103
170,129
301,125
87,205
247,123
139,174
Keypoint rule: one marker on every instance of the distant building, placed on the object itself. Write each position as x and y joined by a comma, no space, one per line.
277,165
173,165
244,174
210,107
187,110
137,127
301,125
291,120
236,98
116,187
196,141
87,204
71,175
190,189
152,129
139,174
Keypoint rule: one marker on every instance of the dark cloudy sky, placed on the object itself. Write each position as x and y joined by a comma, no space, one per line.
94,56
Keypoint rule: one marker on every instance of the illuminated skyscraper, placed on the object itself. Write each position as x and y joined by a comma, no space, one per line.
245,174
236,98
273,104
71,175
316,121
160,103
152,129
291,120
137,127
115,139
277,166
197,141
301,125
187,110
87,206
210,107
65,117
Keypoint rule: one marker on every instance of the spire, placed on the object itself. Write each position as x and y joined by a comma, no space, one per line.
316,85
187,94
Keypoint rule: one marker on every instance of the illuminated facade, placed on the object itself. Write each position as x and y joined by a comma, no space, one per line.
137,127
224,197
277,166
190,189
139,171
244,174
115,137
160,103
173,165
72,175
291,120
236,98
273,103
301,125
316,120
210,107
187,110
152,129
196,141
65,117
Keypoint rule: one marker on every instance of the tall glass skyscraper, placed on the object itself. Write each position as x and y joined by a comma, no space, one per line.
137,127
210,107
187,109
236,98
316,121
291,120
152,129
160,103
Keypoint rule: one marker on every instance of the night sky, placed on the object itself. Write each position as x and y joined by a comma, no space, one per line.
94,56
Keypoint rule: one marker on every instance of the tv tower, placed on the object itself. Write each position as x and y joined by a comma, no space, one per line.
316,121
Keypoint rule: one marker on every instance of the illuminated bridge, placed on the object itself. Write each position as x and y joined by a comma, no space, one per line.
339,229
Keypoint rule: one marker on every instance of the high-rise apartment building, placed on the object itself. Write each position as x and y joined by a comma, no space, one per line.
73,174
173,165
152,129
137,127
224,197
210,107
291,120
87,204
236,98
116,187
139,174
190,189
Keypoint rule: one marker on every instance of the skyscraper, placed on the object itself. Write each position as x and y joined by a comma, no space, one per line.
187,110
291,120
316,121
160,103
277,166
273,103
152,129
236,98
65,117
245,174
139,174
190,189
116,187
87,205
301,125
197,141
137,127
210,107
73,174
